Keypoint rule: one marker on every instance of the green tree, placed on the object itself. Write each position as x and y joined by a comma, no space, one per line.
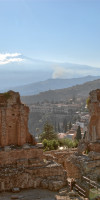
50,144
55,127
70,125
68,143
78,134
48,132
58,127
65,125
65,130
84,135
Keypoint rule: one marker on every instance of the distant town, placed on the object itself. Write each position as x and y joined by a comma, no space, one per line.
64,116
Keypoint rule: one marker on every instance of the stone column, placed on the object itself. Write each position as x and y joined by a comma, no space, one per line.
3,127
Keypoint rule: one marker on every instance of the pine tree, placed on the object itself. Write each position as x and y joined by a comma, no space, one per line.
48,132
78,134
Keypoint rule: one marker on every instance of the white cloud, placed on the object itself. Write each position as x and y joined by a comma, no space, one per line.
9,58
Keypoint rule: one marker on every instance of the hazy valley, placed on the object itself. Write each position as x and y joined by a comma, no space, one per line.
57,105
51,84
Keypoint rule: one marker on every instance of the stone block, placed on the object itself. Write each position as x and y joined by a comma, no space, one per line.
94,155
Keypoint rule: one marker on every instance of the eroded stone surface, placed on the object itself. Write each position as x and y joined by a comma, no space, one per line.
13,120
27,173
94,109
22,164
26,168
94,146
59,156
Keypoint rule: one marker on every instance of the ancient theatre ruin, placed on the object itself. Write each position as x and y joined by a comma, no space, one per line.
22,164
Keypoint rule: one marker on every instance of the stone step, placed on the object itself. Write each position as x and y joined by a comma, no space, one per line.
58,197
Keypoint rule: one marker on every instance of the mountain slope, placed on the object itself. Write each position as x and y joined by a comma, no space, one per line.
51,84
29,70
63,94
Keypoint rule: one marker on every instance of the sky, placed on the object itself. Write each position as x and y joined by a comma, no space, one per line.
50,30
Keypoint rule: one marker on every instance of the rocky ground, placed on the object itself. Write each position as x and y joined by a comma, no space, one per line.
30,194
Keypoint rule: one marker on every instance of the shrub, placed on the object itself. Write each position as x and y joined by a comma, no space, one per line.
50,144
88,101
62,142
68,143
55,144
45,142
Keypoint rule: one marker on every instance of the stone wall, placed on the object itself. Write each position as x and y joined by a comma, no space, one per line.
77,165
25,168
10,156
67,159
59,156
85,165
72,167
23,165
63,157
13,120
94,109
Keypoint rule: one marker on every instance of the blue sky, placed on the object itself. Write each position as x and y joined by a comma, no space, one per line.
54,30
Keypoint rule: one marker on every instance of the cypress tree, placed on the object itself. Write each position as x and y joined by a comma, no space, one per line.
65,125
78,134
58,127
70,125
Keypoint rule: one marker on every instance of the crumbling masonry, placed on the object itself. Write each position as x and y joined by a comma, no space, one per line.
22,164
13,120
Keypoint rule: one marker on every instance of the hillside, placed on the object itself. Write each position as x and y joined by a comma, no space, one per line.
51,84
63,94
18,76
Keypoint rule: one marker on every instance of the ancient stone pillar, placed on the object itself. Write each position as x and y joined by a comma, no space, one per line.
13,120
94,109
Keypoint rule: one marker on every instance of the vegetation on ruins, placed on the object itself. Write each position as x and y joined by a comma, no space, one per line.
50,144
7,95
78,134
54,144
68,143
88,101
